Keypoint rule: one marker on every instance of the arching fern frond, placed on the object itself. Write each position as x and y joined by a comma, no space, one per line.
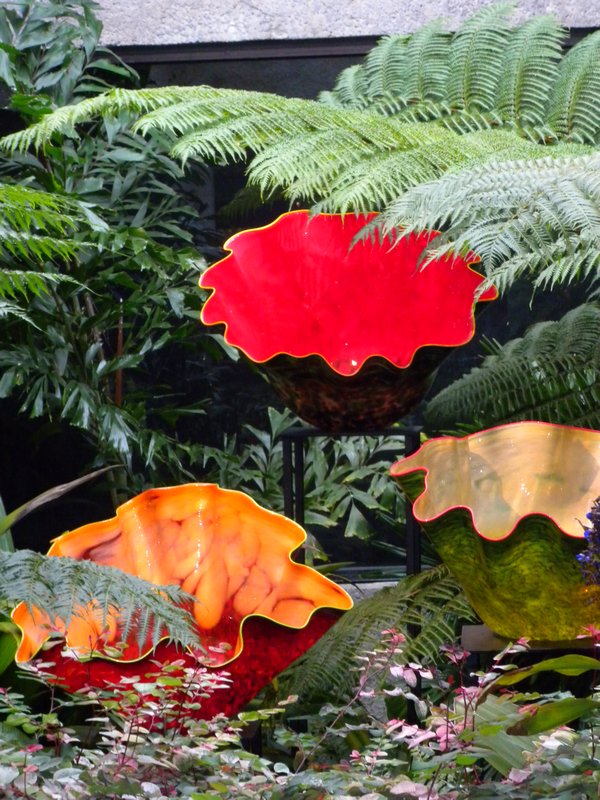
351,89
399,71
530,67
574,111
63,587
425,67
550,374
475,59
383,70
539,218
432,600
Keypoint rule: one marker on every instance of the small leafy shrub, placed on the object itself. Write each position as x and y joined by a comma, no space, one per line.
470,735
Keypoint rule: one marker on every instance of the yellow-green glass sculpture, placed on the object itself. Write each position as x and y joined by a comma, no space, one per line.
506,509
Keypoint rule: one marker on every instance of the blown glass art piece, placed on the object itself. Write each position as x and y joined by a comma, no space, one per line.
347,333
505,508
255,609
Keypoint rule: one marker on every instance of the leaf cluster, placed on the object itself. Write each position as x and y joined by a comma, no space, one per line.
551,374
50,54
346,481
111,288
425,608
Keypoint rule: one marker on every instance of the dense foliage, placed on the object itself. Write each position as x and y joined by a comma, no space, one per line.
490,134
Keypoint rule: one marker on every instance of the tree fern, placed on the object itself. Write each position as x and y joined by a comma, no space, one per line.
64,587
539,218
574,111
432,601
551,374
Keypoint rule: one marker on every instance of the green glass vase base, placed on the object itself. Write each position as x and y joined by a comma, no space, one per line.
526,585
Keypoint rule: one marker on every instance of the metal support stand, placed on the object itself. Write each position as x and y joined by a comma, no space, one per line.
293,440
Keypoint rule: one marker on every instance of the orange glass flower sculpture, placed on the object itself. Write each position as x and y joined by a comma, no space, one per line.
229,553
505,510
348,334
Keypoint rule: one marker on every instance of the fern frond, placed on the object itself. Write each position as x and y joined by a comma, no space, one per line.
550,374
574,111
64,587
475,59
384,68
351,88
425,68
530,70
539,217
432,600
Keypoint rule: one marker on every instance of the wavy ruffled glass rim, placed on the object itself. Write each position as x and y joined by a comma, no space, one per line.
403,468
490,294
301,536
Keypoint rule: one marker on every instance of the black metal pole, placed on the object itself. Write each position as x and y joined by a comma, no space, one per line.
288,488
412,442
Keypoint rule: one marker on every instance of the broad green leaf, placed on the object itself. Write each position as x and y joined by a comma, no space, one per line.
552,715
46,497
565,665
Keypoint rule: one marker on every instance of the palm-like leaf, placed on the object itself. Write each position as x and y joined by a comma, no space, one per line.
551,374
36,226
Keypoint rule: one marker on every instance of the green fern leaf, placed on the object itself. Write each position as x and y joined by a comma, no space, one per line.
529,72
539,218
351,88
432,600
64,587
551,374
574,111
475,60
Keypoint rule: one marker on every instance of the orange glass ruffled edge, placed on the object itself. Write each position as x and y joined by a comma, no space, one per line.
490,294
396,472
30,646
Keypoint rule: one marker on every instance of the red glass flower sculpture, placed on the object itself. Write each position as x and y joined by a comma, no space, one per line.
348,335
229,553
505,510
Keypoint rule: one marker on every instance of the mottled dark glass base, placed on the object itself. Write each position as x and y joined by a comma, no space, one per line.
378,395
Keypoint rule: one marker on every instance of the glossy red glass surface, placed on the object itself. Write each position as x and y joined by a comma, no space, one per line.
297,297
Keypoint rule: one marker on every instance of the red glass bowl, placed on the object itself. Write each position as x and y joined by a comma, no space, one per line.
231,555
348,335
